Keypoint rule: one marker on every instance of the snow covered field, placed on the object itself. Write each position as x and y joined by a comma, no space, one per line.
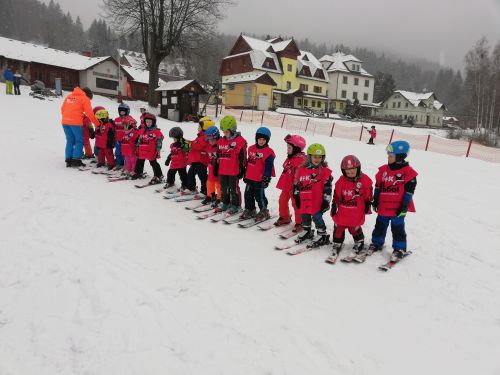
103,278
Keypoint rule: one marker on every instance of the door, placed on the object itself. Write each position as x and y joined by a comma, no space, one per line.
263,103
248,96
427,120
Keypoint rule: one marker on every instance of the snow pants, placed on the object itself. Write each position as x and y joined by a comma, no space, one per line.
130,162
139,167
200,170
255,192
120,160
182,175
397,228
17,90
213,186
285,197
230,189
8,87
105,155
74,141
318,221
339,233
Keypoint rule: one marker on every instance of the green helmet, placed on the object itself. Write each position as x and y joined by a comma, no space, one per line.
316,149
228,123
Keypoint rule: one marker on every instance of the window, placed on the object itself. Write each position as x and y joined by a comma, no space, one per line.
319,104
406,105
288,85
344,94
399,104
356,81
230,86
299,101
341,105
365,97
393,104
304,87
406,117
354,95
106,84
305,102
344,80
367,83
318,89
313,103
289,67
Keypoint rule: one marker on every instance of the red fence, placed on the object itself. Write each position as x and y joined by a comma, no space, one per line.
356,132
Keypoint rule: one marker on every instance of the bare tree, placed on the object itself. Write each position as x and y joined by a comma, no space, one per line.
165,26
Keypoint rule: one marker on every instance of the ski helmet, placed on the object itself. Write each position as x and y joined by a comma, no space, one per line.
296,141
212,133
316,149
350,162
150,116
97,108
398,148
88,92
263,132
176,133
206,122
124,107
228,123
102,114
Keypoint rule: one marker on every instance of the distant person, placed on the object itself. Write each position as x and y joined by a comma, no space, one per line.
75,106
8,76
18,77
373,134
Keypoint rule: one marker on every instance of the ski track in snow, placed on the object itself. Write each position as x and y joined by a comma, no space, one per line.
100,278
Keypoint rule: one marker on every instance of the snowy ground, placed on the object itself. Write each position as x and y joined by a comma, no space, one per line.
101,278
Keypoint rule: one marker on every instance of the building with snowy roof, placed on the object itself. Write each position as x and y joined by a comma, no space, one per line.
166,71
413,108
348,80
270,73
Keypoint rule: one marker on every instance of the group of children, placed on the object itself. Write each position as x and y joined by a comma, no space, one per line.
220,161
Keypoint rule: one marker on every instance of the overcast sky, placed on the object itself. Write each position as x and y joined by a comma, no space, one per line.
439,30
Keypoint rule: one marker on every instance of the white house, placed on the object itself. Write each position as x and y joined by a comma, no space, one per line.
347,80
412,108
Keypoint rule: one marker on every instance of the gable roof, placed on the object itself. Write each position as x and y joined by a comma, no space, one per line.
417,99
138,61
309,60
258,77
23,51
180,85
140,75
337,62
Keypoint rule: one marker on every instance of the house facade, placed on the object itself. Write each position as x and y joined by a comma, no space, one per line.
412,108
299,79
348,80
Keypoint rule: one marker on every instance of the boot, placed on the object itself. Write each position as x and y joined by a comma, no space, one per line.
306,234
207,200
321,239
397,255
215,203
222,208
68,163
263,215
297,228
373,248
248,214
77,163
232,210
358,246
283,221
156,180
337,246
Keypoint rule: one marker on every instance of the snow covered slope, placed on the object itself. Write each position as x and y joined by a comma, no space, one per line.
103,278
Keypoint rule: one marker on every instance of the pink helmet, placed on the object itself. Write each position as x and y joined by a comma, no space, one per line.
350,162
296,140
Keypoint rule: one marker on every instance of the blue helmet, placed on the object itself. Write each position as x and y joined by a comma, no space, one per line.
124,107
398,147
212,133
263,132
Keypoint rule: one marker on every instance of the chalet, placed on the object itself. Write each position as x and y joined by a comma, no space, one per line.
167,71
138,83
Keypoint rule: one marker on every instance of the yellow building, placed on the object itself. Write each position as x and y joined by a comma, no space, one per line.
248,90
299,78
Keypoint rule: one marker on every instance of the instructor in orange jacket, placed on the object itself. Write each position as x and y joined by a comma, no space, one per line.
75,106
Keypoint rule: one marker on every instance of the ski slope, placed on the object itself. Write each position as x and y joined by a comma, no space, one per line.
103,278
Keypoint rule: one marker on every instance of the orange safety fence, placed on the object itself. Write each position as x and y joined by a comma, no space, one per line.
485,153
452,147
295,123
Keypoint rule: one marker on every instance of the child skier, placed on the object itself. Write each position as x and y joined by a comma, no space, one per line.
177,159
312,193
88,134
212,135
295,159
105,139
373,134
231,157
351,202
198,158
129,148
149,145
122,124
395,185
259,171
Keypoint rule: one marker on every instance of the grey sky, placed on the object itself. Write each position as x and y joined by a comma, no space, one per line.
439,30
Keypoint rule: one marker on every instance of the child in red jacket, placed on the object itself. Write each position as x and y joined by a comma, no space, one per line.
105,139
128,146
212,135
312,193
177,159
295,159
351,202
198,158
149,144
259,171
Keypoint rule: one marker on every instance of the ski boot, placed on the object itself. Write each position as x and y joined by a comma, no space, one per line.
222,208
364,253
321,239
156,180
337,246
297,228
263,215
232,210
397,255
206,200
215,203
77,163
282,221
248,214
306,234
68,163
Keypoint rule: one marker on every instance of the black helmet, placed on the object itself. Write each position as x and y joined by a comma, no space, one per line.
88,92
176,132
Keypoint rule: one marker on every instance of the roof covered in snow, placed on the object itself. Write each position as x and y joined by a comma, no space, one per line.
261,77
179,85
140,75
418,99
138,61
339,62
309,60
23,51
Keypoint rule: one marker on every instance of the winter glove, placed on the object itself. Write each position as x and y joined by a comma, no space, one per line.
375,204
242,172
157,154
265,181
216,170
402,210
92,133
367,207
325,205
334,209
296,196
169,158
